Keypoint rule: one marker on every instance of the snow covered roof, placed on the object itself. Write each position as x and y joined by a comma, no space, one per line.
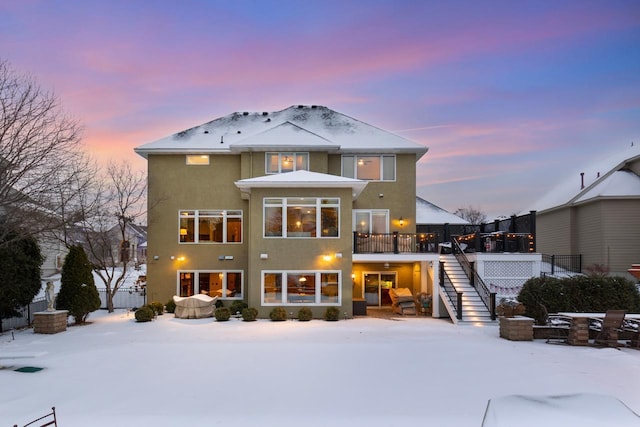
604,178
301,127
302,179
428,213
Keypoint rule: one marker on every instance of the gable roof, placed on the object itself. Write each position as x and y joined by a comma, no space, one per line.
313,127
301,179
428,213
610,177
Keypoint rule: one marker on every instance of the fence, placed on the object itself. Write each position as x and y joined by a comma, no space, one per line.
128,298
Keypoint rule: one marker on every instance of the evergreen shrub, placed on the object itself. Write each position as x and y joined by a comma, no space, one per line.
593,293
222,314
278,314
157,307
249,314
305,314
332,314
144,314
170,306
237,306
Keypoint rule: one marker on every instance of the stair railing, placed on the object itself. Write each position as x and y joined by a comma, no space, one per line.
488,298
453,295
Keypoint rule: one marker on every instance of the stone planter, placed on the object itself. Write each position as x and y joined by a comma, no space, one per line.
516,328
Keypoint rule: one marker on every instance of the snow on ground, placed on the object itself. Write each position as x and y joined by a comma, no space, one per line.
359,372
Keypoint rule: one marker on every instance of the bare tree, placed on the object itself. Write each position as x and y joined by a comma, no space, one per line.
471,214
38,142
108,208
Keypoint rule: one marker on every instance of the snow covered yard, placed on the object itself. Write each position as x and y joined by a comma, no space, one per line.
359,372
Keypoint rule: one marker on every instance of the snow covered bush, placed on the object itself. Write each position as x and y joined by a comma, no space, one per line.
237,306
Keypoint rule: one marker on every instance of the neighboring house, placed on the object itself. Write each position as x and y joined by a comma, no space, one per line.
134,246
303,207
595,214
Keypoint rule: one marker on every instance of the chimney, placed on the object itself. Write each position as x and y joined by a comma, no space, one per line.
582,180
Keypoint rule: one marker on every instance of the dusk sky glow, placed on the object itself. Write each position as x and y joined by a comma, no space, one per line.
509,96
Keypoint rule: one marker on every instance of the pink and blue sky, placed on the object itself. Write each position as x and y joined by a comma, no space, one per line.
509,96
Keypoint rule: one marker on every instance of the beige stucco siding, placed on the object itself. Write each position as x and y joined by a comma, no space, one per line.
174,186
298,253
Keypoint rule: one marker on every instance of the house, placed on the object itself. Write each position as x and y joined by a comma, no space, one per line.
303,207
596,214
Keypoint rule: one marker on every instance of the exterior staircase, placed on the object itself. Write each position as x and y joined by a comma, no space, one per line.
473,309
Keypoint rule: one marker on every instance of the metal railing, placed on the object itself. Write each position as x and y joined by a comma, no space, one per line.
558,264
498,242
396,243
487,297
453,295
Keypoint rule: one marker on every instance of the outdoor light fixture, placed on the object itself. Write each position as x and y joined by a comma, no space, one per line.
401,220
327,258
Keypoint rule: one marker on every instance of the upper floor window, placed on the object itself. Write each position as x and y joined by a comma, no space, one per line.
200,159
286,162
368,221
369,167
301,217
211,226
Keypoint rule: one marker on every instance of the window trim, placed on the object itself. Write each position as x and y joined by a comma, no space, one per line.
196,281
197,160
284,205
354,166
370,212
318,292
295,155
196,225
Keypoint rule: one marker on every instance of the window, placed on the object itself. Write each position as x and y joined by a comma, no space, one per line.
223,284
286,162
374,221
210,226
301,217
370,168
301,287
198,160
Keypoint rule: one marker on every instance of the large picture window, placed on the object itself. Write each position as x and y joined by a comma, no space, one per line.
286,162
210,226
223,284
301,288
370,167
301,217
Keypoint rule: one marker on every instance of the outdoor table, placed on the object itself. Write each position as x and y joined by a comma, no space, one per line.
579,330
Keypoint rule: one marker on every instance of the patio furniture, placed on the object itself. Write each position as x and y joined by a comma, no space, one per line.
48,420
195,306
609,328
632,328
557,326
402,301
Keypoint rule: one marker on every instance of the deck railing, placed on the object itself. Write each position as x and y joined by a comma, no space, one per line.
453,295
498,242
560,264
396,243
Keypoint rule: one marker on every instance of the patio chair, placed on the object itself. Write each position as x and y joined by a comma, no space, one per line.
608,329
557,326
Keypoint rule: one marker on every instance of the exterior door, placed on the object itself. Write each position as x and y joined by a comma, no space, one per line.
376,287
